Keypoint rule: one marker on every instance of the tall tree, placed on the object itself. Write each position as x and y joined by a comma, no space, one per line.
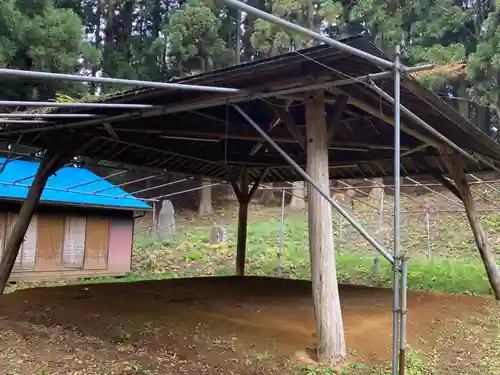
36,35
195,44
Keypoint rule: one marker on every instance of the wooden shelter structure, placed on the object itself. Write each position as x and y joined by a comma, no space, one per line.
314,109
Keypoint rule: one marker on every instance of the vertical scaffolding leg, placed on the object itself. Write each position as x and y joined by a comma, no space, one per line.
282,235
397,209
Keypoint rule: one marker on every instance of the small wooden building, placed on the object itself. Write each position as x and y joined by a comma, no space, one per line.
83,226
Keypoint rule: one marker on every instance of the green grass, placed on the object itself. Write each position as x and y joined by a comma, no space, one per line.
451,270
454,268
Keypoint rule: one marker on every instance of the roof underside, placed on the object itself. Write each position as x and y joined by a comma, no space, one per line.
218,142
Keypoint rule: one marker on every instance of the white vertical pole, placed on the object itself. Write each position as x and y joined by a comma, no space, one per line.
397,209
428,228
282,234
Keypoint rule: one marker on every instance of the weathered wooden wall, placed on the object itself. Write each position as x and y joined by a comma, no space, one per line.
65,245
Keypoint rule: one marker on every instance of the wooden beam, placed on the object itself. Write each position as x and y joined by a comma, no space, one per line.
377,113
256,184
455,166
110,130
287,119
338,110
329,327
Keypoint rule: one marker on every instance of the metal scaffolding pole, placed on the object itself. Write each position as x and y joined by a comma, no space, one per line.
307,178
19,103
128,183
73,192
118,81
291,26
478,180
46,115
187,191
158,186
21,122
397,210
433,191
97,180
161,110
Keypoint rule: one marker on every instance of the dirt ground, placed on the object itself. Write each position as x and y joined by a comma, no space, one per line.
202,326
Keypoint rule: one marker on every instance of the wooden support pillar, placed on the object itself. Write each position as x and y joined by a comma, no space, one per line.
462,190
329,327
244,197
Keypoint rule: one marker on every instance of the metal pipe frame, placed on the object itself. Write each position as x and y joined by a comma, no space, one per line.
187,191
313,183
486,183
158,186
118,81
402,194
96,180
397,210
23,122
128,183
46,115
291,26
74,192
433,191
19,103
161,110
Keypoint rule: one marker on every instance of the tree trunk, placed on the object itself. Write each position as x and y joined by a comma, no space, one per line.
97,40
298,201
463,105
456,169
205,199
237,45
329,326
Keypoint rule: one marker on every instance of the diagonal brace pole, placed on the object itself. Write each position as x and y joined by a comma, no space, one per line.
313,183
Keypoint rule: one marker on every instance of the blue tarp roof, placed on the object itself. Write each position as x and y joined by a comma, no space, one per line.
63,179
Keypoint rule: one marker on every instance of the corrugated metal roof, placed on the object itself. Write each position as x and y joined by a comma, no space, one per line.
56,190
216,142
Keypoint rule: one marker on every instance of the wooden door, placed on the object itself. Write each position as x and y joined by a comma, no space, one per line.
74,242
96,243
50,242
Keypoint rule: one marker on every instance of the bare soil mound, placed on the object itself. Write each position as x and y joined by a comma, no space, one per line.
201,325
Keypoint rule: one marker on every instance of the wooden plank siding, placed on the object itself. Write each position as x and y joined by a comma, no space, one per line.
50,242
65,246
97,243
74,242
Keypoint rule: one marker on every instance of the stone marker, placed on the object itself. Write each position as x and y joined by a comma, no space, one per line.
218,235
166,220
